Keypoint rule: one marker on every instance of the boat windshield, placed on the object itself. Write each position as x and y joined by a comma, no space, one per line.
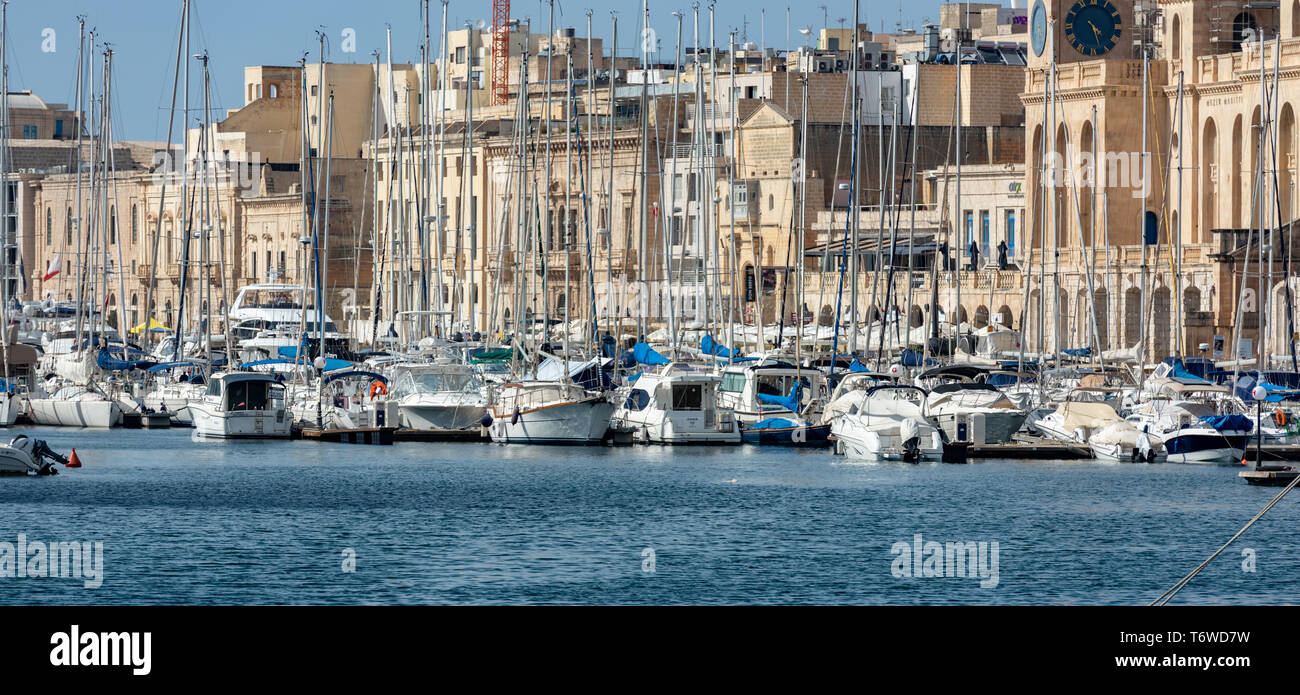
272,299
436,382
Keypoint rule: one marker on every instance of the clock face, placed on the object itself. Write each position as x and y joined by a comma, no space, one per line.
1038,28
1093,27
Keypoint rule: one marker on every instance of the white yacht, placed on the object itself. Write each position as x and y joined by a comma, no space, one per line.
438,396
242,405
974,412
885,423
266,317
1194,431
676,405
761,389
549,412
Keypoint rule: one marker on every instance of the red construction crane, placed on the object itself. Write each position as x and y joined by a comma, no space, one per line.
500,52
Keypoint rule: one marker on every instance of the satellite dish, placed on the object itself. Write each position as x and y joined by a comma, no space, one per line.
480,24
948,46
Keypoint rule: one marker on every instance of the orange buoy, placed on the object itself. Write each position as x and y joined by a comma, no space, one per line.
378,387
1279,416
73,461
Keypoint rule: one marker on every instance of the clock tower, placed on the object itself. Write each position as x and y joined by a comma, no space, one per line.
1080,30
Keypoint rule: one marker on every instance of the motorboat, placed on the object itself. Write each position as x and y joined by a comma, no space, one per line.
745,384
242,405
438,396
967,409
788,431
676,405
24,455
1198,421
1193,431
1097,425
267,321
886,422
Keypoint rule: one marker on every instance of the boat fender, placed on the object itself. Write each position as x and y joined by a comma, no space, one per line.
486,420
377,387
514,417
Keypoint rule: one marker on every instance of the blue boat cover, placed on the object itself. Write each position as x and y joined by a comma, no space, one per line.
1079,352
790,402
709,347
912,358
1224,423
856,367
645,354
164,366
776,423
107,361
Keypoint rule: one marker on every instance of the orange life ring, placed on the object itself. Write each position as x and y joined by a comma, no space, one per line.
377,386
1279,416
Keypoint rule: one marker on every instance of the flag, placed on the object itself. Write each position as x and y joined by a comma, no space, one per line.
55,266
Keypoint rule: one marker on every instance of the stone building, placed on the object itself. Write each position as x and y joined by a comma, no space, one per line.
1195,206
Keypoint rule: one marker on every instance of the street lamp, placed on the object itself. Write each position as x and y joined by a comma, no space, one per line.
1259,393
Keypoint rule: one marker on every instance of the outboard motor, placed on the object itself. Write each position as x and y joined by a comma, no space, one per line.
43,457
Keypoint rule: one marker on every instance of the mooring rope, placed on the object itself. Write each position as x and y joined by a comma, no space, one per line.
1171,591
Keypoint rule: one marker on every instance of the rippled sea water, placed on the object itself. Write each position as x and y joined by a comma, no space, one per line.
199,522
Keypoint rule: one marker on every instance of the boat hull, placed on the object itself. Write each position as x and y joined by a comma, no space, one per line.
999,428
1207,448
15,462
239,424
807,436
573,422
885,443
441,417
75,413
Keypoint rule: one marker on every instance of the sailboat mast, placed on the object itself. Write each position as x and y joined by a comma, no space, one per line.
162,196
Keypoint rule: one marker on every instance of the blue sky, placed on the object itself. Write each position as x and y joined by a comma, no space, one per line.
236,33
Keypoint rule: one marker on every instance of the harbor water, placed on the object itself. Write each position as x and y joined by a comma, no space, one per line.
300,522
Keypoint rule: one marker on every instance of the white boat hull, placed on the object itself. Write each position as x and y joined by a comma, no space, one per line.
573,422
682,428
441,416
239,424
884,443
75,413
15,462
10,407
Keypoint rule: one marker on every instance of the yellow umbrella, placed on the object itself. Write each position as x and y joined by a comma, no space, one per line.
153,326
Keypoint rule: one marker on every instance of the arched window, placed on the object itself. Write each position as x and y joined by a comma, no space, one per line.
1176,38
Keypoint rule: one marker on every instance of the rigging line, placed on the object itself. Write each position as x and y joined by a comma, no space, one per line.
1173,590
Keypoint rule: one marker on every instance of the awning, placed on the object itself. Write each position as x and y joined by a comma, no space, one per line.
154,327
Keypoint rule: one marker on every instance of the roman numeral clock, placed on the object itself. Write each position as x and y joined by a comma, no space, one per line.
1093,27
